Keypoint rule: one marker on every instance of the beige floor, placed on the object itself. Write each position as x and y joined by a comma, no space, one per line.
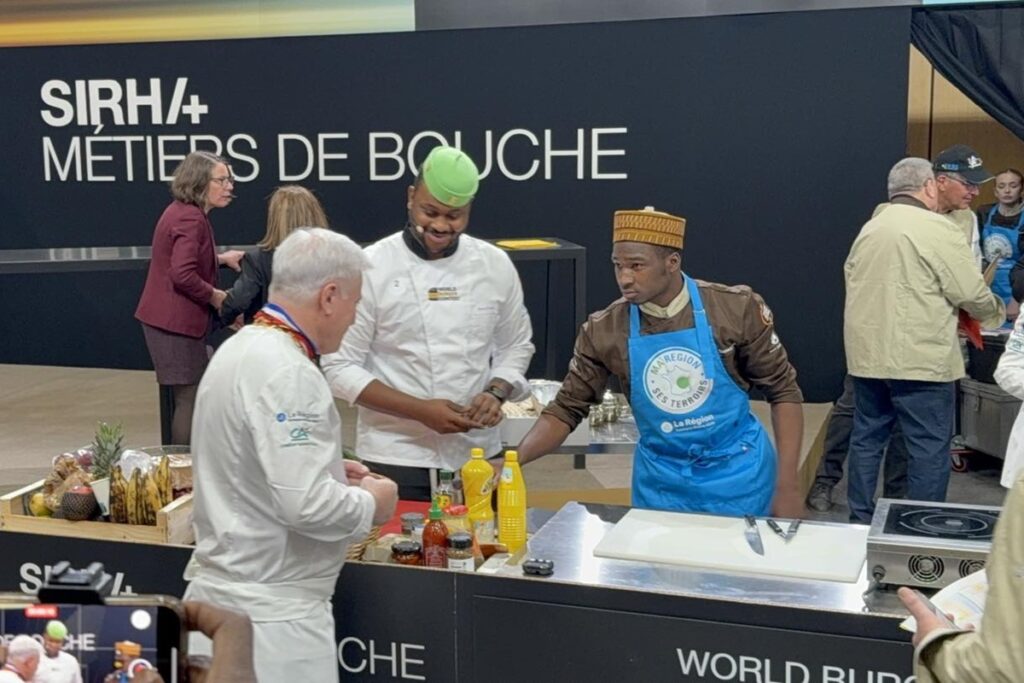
45,411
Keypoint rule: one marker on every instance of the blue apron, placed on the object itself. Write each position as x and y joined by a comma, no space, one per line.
700,448
997,241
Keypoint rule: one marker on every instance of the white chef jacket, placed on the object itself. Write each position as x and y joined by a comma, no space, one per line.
63,668
1009,375
432,329
272,508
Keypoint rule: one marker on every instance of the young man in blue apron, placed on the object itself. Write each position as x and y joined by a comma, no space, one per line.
685,352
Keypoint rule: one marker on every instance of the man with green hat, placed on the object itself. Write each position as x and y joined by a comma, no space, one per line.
57,666
441,337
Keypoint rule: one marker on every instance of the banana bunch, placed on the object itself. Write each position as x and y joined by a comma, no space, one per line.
136,494
152,498
162,474
137,500
118,496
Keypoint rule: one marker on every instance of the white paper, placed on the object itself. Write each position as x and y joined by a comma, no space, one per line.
964,600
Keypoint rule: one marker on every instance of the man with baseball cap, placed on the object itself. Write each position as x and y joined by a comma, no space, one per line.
959,174
441,337
57,666
685,352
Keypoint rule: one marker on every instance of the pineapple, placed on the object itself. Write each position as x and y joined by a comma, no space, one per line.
106,449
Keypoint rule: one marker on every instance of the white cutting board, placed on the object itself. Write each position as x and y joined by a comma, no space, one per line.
817,551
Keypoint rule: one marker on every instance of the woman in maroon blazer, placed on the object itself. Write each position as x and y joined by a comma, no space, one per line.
180,296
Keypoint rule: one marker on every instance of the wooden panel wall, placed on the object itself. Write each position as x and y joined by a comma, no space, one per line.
939,115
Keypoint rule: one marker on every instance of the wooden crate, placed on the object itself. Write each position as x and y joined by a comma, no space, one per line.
173,522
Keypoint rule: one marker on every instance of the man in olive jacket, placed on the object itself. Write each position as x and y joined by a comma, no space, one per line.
908,272
993,653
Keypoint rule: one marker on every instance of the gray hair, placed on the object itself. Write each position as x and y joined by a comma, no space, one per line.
909,175
22,648
310,258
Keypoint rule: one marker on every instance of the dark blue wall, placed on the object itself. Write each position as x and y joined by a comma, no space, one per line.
771,134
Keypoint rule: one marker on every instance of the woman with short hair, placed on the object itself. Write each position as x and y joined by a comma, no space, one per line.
180,296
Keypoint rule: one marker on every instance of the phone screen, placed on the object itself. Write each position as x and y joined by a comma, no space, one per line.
106,643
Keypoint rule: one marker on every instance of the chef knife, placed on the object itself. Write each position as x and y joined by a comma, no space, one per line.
774,526
791,531
753,535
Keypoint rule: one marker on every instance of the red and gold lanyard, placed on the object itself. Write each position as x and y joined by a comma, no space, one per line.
304,343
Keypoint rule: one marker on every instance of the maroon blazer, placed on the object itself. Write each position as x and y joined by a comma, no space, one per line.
182,273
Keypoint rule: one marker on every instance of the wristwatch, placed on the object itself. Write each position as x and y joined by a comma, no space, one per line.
497,392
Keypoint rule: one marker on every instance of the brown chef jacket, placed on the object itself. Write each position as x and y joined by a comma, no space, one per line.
743,329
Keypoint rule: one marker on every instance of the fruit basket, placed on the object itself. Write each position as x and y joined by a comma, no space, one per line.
173,522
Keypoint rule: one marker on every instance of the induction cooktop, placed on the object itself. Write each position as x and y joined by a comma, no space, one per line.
928,544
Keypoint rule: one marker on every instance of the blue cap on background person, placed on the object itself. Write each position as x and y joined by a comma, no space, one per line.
963,161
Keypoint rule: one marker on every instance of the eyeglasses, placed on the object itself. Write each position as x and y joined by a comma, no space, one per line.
226,180
967,186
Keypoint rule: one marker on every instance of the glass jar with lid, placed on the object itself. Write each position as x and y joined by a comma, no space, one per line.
407,553
460,552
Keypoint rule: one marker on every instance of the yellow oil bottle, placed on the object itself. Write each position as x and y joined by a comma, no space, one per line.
477,486
512,504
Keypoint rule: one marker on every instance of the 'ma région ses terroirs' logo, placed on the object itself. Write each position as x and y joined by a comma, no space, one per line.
675,381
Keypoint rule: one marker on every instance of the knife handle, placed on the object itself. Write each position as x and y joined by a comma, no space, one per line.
773,525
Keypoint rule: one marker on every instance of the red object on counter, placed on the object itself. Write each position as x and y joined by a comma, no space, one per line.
394,525
970,328
435,540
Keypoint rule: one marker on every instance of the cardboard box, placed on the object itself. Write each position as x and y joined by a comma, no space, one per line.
513,429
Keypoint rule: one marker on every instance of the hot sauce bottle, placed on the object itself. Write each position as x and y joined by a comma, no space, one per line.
435,539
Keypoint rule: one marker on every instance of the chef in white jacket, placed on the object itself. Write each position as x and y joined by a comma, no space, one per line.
441,337
275,503
1009,375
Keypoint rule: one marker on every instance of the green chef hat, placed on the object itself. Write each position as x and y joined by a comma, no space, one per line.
56,630
451,176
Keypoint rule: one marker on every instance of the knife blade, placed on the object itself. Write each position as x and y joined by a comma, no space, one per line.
791,531
776,529
753,535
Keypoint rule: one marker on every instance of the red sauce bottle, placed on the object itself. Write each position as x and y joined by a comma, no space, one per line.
435,540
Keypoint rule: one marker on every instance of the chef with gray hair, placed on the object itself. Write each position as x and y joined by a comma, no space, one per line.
275,503
23,655
907,274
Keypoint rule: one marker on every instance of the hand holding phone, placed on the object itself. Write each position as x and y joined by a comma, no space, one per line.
231,633
928,617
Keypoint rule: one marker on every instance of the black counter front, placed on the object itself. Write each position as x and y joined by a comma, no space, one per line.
413,624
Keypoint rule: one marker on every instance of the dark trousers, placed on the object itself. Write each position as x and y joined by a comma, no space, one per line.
837,445
925,412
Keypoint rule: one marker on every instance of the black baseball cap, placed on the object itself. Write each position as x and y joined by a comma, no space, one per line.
963,161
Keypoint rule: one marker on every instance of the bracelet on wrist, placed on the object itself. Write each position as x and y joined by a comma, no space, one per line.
496,393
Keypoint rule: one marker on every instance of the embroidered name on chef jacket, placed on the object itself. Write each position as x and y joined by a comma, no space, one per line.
443,294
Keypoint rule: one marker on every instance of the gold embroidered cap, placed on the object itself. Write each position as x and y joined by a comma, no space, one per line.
650,227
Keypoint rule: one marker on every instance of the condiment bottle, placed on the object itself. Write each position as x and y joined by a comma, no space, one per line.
444,494
512,504
407,552
410,520
435,539
457,519
460,552
477,485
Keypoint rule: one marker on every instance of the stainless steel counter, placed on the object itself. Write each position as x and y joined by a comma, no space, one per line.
569,537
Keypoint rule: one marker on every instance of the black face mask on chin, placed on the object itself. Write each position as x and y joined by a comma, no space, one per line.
414,240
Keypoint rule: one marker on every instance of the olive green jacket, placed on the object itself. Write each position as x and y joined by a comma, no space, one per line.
908,272
995,653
